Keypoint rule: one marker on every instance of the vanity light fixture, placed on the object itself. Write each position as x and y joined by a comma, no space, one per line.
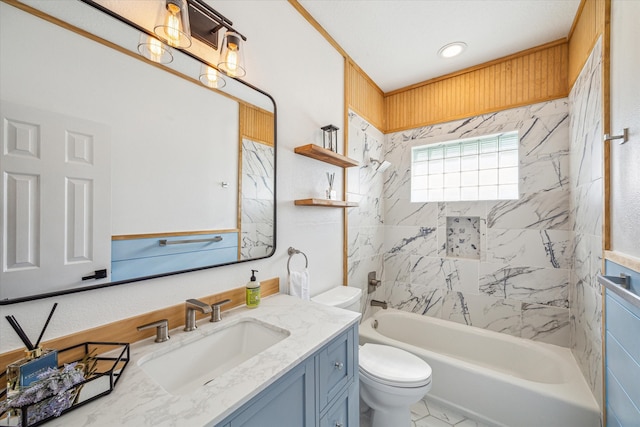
210,77
154,50
172,25
452,49
231,60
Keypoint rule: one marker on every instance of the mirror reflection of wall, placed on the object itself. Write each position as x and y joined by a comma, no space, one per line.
258,182
176,159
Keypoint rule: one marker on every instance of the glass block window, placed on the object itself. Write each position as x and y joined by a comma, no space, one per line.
483,168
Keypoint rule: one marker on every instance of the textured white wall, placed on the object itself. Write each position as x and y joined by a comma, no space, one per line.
287,58
625,113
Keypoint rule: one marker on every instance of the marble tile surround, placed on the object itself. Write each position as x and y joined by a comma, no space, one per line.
516,279
366,241
586,159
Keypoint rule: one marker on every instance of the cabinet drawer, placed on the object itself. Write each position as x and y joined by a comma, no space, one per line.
336,367
345,411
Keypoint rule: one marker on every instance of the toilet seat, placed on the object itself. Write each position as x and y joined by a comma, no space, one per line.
392,366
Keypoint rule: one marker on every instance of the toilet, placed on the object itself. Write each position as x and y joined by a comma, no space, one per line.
391,379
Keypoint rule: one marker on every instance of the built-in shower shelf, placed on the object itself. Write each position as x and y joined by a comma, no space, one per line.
326,203
324,155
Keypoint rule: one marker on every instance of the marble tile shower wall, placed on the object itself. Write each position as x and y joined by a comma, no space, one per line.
517,282
365,223
586,159
258,178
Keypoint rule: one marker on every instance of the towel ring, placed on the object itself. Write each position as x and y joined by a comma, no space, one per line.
292,251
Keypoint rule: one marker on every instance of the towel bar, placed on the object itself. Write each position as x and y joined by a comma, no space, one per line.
292,251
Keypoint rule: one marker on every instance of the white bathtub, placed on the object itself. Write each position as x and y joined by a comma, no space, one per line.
496,378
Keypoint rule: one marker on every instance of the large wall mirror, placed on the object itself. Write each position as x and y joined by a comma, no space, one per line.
116,169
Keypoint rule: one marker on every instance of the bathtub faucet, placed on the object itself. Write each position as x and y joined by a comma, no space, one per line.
376,303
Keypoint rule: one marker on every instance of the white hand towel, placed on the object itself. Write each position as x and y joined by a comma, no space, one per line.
299,284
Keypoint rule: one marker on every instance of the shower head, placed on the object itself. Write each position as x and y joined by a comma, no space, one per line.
381,165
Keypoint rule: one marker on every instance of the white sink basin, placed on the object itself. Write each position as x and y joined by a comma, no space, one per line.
185,367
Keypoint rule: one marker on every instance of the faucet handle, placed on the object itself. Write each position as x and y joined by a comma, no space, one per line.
162,329
216,315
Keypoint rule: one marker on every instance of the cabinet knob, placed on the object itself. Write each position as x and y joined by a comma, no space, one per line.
338,424
338,366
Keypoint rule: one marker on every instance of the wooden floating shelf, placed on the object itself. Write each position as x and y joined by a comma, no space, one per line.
327,156
326,203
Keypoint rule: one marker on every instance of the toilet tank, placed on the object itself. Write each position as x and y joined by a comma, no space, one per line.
347,297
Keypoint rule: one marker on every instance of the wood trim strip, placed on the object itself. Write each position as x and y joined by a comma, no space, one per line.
172,234
125,330
624,260
345,174
606,126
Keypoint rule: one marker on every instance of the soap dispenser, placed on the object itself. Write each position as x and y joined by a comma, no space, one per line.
253,291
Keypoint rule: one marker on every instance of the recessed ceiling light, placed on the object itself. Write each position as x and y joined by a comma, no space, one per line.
452,49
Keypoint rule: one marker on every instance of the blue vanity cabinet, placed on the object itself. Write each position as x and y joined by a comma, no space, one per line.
288,402
320,391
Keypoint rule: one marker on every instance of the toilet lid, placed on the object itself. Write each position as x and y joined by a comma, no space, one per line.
393,366
340,296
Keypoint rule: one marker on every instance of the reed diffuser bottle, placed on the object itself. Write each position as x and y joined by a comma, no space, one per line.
23,372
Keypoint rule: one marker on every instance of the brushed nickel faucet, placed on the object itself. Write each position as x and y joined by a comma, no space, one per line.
216,315
191,306
162,329
376,303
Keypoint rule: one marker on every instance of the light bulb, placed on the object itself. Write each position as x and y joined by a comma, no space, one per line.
232,55
210,78
232,61
153,49
173,25
155,46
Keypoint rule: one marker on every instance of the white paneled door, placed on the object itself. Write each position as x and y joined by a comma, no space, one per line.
56,191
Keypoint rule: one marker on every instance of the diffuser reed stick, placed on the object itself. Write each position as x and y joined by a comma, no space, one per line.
46,324
23,336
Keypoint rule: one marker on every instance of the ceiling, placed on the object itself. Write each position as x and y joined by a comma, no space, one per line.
396,42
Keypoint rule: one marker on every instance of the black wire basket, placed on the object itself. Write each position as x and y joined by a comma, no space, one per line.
102,362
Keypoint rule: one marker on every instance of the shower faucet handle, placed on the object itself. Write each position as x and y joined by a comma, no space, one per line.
373,282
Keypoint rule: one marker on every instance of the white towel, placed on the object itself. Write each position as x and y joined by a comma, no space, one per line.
299,284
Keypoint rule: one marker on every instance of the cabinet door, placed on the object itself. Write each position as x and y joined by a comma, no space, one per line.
290,402
346,410
336,367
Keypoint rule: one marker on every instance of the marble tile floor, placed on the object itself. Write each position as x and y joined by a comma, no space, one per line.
427,413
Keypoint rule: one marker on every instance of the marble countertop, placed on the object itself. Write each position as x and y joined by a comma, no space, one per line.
139,401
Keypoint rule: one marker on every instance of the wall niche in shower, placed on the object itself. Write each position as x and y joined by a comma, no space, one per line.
463,237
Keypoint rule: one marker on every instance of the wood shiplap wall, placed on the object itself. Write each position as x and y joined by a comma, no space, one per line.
588,25
256,124
535,75
363,95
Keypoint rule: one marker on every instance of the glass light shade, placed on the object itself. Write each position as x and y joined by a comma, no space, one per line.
172,26
154,50
210,77
232,55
